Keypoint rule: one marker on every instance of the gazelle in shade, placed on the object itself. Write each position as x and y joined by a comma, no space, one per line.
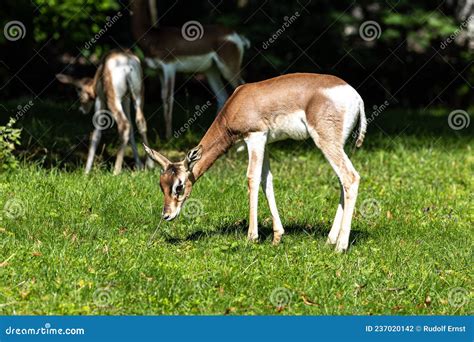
295,106
117,79
219,52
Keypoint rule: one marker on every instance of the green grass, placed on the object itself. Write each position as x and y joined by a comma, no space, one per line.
80,244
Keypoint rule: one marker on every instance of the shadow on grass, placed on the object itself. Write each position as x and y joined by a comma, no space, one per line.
319,230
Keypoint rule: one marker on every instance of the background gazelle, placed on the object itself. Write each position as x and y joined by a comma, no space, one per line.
213,50
295,106
117,79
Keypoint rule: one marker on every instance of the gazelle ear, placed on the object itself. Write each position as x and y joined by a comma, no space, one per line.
66,79
158,157
192,157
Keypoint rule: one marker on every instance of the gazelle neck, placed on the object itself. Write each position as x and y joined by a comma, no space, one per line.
217,141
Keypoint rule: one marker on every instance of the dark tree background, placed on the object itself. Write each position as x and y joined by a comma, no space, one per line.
421,57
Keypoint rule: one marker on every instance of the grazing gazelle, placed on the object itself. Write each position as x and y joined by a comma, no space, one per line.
295,106
213,50
118,77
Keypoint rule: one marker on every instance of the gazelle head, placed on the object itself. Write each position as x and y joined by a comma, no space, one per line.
84,88
176,180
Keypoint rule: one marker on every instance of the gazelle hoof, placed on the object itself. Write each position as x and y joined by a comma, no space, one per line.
276,239
340,248
252,238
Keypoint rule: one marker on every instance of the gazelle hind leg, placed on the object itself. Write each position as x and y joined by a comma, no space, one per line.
95,139
126,107
267,187
349,180
137,95
123,126
256,149
350,185
336,226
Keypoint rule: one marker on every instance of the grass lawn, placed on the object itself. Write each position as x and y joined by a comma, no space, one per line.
76,244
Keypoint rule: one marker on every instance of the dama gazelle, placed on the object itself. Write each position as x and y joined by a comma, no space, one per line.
117,79
219,52
295,106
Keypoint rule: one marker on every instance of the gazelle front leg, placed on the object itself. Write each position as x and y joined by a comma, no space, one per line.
256,148
95,138
217,86
169,126
267,187
167,77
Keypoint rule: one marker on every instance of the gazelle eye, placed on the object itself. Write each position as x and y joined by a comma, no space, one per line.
179,189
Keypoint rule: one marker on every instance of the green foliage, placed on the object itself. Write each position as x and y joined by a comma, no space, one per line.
422,26
324,38
73,22
9,137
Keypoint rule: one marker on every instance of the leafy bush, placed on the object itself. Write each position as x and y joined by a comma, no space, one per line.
9,137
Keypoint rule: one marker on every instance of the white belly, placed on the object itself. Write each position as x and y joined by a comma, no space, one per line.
191,64
288,126
199,63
